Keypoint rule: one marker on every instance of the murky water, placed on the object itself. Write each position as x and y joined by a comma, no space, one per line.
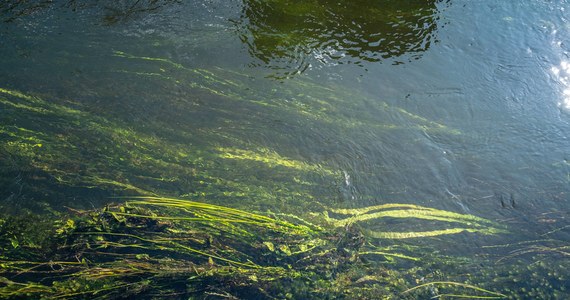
462,106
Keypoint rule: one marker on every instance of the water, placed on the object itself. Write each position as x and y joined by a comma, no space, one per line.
461,106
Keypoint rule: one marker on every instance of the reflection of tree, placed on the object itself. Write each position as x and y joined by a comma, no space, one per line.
12,10
113,11
337,31
116,11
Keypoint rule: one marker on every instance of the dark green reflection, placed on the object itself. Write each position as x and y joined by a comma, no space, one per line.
113,11
12,10
285,32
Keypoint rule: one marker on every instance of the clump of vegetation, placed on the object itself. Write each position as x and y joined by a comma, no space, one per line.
153,247
160,247
168,247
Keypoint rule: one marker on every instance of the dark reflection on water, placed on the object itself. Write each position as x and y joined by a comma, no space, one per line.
111,11
293,35
12,10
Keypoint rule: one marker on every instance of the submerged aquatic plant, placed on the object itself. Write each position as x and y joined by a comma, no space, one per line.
466,223
131,249
164,247
484,294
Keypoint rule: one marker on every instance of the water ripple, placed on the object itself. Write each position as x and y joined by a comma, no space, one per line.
293,36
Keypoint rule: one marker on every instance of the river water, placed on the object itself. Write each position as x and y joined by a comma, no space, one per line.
462,106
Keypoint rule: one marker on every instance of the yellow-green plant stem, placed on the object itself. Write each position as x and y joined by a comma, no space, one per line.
190,249
432,233
463,285
472,223
227,213
389,254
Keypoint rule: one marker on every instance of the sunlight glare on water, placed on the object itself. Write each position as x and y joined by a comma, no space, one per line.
561,75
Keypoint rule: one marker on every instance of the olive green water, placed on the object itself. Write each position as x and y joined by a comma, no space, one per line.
452,114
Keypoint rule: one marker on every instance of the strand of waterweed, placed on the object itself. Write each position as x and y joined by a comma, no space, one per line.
309,224
204,218
472,223
496,295
190,249
432,233
14,264
51,264
226,212
412,210
93,292
117,269
466,296
389,254
187,204
212,209
521,243
26,288
105,244
185,218
419,213
364,210
535,249
555,230
112,271
211,220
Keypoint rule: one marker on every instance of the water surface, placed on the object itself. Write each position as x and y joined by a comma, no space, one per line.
462,106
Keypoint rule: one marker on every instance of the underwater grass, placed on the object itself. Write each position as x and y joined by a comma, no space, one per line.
166,247
470,223
77,148
215,213
120,160
292,96
148,245
486,293
157,247
177,238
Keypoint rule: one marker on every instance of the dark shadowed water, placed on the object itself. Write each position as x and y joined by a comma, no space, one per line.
462,106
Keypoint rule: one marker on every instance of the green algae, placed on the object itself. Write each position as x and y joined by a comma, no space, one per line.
179,248
272,159
152,247
158,246
485,294
292,98
470,223
180,240
118,158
